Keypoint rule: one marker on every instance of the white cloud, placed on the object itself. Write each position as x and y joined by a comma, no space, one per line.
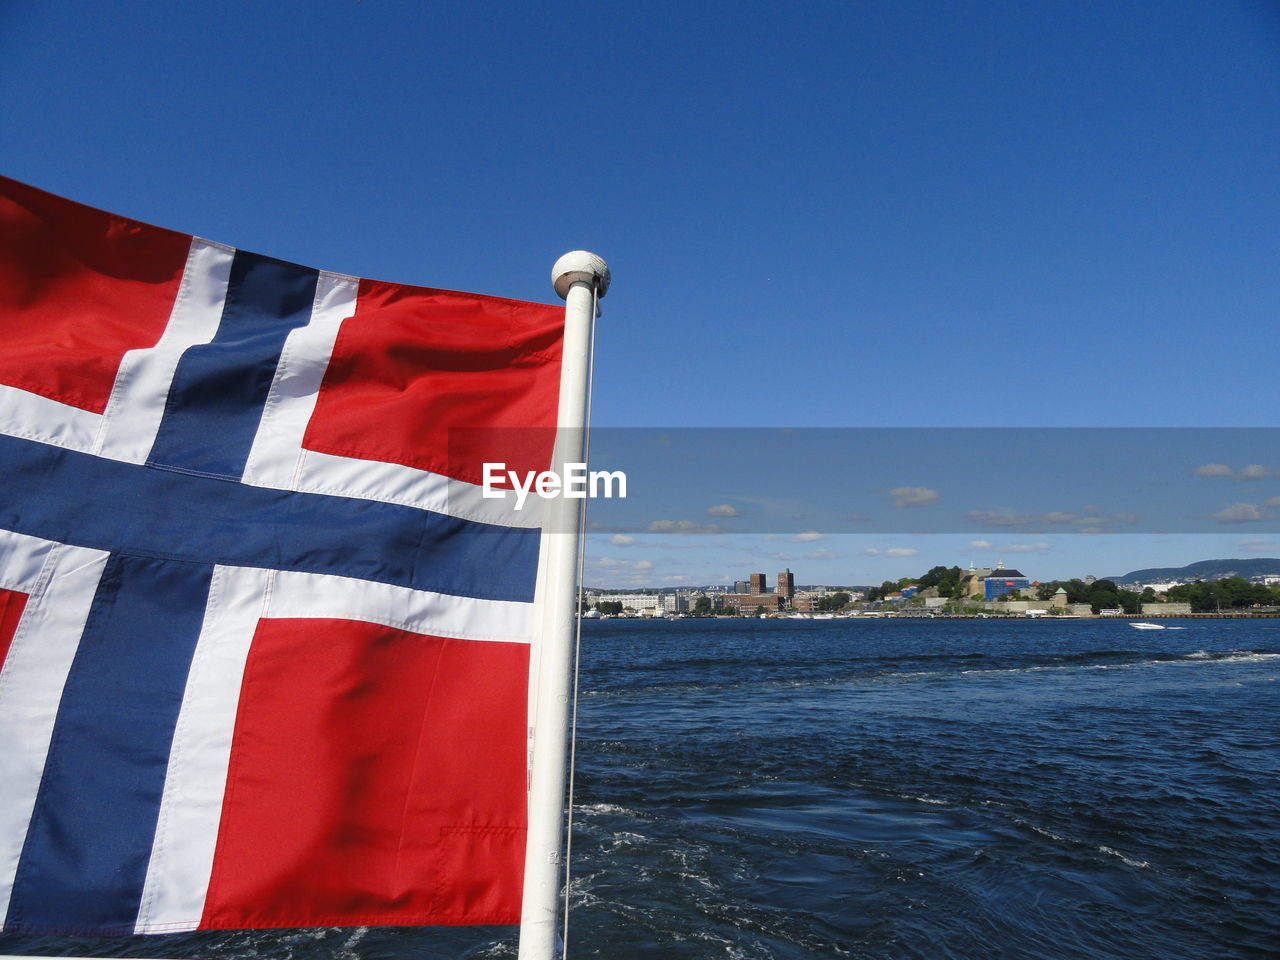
913,496
992,518
758,551
809,536
1089,521
613,563
622,540
1240,513
1063,516
722,510
892,552
782,508
1274,502
987,545
622,573
683,526
1257,545
1253,471
824,554
1214,470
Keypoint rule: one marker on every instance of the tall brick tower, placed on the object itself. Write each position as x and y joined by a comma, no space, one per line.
786,584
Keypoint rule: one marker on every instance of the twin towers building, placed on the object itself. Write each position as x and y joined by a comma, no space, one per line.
755,592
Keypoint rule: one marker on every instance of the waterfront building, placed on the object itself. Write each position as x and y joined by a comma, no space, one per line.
786,584
650,603
674,602
759,583
972,581
987,583
1003,581
639,602
736,602
804,603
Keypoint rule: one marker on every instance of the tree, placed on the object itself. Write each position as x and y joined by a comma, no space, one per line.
1103,599
702,607
944,578
1226,594
836,601
882,591
932,578
1077,590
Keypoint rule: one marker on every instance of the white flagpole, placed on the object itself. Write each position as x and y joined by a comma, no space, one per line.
580,278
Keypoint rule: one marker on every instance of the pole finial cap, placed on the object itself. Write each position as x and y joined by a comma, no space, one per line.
579,265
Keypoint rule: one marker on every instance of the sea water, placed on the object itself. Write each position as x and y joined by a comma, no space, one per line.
896,789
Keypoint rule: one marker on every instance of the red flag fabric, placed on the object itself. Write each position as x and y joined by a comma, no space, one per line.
264,651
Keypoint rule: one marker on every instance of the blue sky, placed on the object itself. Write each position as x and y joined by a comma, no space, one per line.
835,214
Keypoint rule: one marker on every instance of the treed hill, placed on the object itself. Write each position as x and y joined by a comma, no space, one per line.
1205,570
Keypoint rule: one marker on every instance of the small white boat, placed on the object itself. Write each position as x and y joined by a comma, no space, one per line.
1142,625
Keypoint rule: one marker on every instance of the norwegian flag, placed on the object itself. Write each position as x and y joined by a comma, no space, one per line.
264,650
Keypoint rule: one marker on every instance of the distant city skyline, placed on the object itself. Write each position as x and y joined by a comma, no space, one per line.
670,561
